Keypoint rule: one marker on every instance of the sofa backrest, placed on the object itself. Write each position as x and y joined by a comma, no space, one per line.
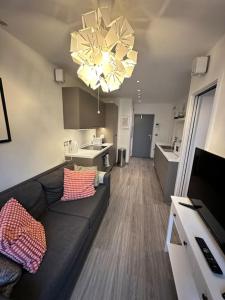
30,194
38,192
53,181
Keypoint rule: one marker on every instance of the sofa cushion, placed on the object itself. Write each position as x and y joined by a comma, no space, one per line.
78,185
30,195
52,183
65,236
84,168
87,207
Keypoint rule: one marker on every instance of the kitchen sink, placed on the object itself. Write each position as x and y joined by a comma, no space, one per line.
94,147
167,148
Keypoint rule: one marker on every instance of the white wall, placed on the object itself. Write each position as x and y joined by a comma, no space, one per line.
215,139
163,115
216,134
124,135
34,104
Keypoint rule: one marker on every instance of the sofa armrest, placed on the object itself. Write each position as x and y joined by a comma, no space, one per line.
106,179
106,182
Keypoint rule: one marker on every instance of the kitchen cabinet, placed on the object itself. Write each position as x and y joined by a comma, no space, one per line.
166,171
80,109
111,128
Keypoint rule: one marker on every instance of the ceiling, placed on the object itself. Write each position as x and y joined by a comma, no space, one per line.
169,34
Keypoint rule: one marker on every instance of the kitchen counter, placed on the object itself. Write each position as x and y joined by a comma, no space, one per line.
166,165
84,153
170,156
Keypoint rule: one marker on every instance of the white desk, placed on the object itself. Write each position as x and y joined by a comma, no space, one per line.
192,276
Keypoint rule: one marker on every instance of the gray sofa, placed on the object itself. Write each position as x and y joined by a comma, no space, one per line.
70,229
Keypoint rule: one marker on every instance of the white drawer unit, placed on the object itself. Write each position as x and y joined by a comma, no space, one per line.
193,278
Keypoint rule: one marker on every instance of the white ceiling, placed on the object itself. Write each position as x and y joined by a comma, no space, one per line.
169,33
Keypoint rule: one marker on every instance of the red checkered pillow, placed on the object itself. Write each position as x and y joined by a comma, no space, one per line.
78,185
22,238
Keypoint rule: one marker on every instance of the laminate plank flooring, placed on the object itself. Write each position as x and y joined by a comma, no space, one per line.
127,260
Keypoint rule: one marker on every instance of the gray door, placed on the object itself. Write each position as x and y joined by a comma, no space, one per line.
142,138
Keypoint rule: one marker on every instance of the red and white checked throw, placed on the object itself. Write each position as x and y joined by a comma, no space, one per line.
22,238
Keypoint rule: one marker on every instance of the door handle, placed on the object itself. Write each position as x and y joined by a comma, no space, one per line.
150,136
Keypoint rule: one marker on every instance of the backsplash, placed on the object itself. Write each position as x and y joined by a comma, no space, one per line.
81,136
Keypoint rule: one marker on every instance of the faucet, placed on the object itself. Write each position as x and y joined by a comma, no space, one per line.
174,141
93,138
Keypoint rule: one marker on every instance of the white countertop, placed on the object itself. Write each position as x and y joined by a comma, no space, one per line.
83,153
170,156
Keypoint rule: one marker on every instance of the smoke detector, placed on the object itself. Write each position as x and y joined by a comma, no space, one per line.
200,66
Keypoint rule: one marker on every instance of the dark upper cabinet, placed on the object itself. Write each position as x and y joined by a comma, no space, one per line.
80,109
111,124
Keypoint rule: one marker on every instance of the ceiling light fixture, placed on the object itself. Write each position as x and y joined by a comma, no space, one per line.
104,50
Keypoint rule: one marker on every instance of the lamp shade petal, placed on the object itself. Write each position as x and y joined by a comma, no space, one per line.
107,68
121,51
74,43
77,58
90,19
111,39
129,68
113,83
126,28
127,41
104,85
104,13
132,55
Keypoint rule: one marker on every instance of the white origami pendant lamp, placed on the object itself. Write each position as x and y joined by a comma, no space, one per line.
104,50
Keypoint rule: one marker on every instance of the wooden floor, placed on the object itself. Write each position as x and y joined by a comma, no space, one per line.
127,260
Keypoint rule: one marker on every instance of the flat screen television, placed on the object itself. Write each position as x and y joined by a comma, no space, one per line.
207,192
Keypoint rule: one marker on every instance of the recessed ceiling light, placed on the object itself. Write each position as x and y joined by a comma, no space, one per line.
138,90
138,81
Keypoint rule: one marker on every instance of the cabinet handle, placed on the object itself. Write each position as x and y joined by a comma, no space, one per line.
174,215
204,297
185,243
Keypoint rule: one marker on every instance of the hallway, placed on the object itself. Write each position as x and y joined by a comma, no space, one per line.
127,260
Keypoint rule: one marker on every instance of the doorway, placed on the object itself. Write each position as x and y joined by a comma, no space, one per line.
142,137
199,127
